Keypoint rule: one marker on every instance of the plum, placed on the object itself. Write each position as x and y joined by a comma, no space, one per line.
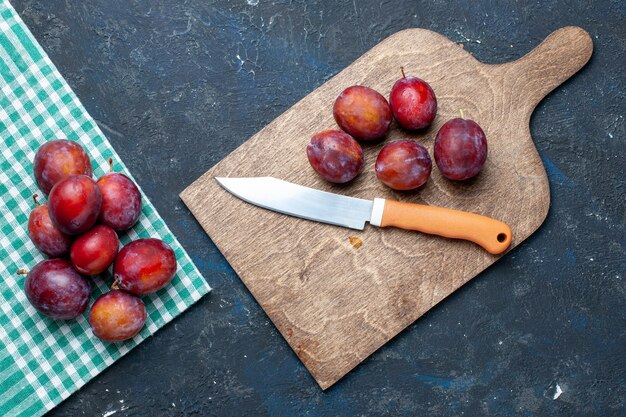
413,102
74,204
58,159
335,156
144,266
44,234
363,113
117,315
93,252
403,165
121,200
460,149
55,289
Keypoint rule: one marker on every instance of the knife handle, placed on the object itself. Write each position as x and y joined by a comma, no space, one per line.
493,235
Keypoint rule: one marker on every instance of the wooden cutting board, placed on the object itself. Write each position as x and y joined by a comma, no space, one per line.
336,304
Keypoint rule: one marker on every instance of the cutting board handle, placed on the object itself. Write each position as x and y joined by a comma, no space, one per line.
557,58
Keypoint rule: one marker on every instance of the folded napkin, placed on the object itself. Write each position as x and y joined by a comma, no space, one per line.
43,361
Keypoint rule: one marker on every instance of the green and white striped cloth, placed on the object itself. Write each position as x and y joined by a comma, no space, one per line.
43,361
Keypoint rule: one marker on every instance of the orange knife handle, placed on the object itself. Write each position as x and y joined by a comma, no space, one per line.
493,235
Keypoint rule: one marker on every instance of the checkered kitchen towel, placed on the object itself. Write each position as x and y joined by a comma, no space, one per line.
43,361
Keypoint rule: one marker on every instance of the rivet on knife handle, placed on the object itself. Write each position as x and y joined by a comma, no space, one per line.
493,235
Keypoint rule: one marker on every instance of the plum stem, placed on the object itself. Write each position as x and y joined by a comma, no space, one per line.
115,285
22,271
35,200
402,71
110,164
462,115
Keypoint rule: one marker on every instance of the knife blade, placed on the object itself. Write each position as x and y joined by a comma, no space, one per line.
340,210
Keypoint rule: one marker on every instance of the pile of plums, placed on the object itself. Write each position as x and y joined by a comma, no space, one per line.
78,230
365,115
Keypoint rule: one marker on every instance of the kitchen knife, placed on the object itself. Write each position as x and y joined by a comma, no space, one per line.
308,203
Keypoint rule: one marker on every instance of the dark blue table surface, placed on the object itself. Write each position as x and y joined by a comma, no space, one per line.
176,85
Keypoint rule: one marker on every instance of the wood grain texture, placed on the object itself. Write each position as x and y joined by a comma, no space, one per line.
336,304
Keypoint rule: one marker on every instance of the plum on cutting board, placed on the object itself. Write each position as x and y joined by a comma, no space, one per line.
460,149
335,156
403,165
363,113
413,102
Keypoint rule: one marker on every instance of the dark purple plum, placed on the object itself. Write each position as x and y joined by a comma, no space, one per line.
93,252
335,156
144,266
460,149
363,113
121,200
58,159
403,165
74,204
55,289
44,234
117,315
413,102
